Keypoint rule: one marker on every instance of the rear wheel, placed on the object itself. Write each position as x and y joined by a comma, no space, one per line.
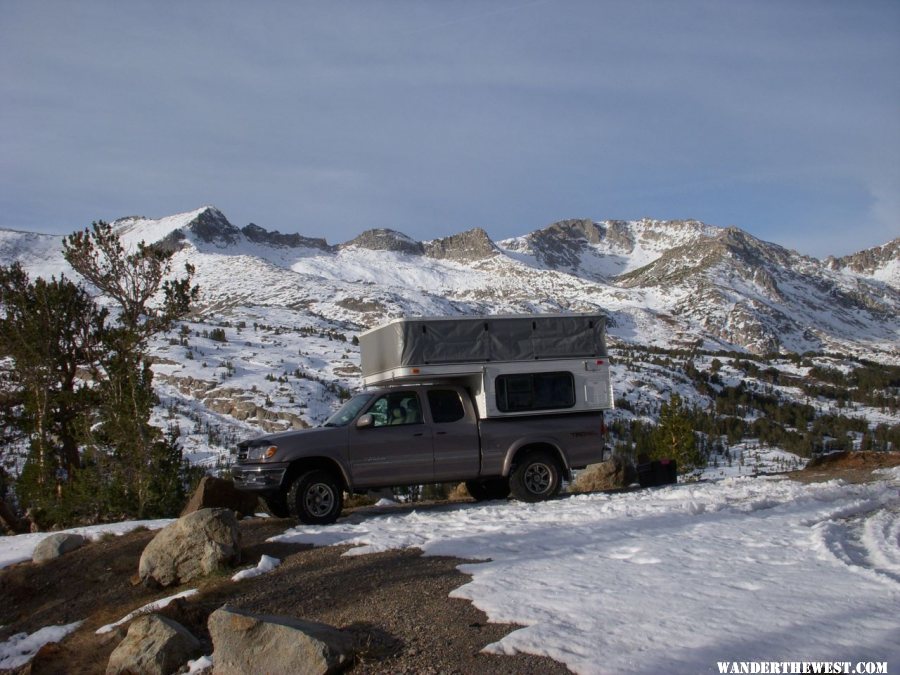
315,498
537,476
488,488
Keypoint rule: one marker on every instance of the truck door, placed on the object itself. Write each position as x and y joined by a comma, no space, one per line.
396,449
456,446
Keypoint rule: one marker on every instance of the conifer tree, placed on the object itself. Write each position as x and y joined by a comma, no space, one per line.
53,331
134,454
674,436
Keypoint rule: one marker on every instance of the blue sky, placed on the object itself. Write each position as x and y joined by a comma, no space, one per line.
781,118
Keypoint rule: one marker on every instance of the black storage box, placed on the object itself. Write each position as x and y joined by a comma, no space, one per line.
657,472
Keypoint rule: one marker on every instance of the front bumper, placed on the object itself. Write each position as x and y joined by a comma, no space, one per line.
260,477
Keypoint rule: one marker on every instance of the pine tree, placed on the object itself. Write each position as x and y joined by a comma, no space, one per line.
133,279
143,470
54,332
674,437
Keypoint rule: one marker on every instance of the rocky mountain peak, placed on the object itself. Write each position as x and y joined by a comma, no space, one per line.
664,281
619,235
212,227
260,235
750,250
730,248
869,260
384,239
579,229
126,220
561,244
468,246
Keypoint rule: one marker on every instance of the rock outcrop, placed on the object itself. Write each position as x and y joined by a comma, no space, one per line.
467,246
868,260
260,235
212,227
560,245
193,546
383,239
237,403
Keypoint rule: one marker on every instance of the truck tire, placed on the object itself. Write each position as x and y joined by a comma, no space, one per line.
488,488
277,505
315,498
537,476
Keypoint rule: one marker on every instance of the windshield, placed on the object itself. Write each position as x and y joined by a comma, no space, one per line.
348,411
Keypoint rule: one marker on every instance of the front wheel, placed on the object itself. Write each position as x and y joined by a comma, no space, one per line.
535,477
315,498
277,505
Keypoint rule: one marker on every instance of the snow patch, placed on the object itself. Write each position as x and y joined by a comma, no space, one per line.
385,502
146,609
266,564
197,665
21,648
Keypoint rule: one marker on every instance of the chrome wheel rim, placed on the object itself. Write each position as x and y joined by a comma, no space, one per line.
538,478
319,500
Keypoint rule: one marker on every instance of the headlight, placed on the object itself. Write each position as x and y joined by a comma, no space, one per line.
261,452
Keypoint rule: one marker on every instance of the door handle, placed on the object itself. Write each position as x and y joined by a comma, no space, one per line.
419,434
440,433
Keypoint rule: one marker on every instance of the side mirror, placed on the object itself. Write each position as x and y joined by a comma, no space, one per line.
365,421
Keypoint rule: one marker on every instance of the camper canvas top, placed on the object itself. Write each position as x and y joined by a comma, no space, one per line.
447,346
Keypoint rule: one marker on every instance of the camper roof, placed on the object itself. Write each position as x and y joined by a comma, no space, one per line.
426,340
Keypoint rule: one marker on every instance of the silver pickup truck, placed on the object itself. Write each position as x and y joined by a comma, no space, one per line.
413,435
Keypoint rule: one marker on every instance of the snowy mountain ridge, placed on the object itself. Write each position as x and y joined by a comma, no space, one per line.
663,283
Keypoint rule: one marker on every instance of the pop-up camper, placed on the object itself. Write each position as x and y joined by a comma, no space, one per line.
512,365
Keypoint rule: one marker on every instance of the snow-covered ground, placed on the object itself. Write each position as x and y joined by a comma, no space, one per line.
670,580
675,579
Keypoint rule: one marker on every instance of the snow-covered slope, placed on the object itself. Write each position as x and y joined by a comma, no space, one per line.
664,283
881,263
286,308
604,250
39,254
752,293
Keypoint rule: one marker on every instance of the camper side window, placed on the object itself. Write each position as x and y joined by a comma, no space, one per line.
535,391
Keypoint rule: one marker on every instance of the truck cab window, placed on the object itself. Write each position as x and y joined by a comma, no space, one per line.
445,406
396,409
348,411
535,391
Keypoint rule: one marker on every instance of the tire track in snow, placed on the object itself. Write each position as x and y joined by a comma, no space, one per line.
867,544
